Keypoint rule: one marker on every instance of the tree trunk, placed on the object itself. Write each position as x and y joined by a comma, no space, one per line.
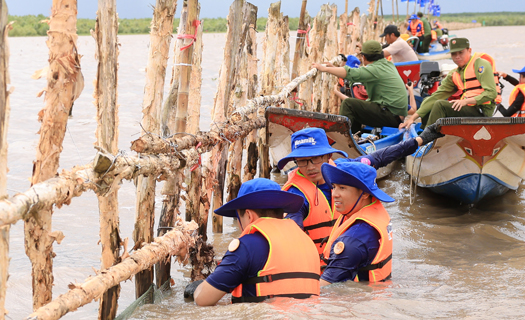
4,121
328,101
160,38
105,34
178,242
64,85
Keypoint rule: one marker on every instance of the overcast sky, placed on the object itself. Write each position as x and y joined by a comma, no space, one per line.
292,8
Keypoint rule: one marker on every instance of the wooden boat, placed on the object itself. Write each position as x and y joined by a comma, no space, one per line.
478,158
283,122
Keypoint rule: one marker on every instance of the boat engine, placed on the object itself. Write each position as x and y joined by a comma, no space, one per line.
443,40
429,78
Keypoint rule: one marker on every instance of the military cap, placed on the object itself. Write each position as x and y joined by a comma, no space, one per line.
371,47
458,44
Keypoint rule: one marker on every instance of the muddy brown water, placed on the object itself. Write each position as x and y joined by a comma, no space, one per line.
450,261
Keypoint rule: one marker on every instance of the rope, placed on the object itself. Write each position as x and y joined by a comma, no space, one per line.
196,24
296,99
299,31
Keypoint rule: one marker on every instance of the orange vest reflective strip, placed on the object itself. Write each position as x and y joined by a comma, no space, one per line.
375,215
413,27
469,85
320,217
519,88
292,268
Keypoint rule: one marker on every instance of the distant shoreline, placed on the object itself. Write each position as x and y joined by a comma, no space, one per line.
30,25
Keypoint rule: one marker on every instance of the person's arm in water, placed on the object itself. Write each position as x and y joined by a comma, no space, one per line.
207,295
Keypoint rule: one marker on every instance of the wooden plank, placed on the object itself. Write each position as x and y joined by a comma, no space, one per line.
64,84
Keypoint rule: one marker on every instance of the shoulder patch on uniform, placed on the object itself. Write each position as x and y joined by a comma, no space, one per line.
481,69
339,247
234,245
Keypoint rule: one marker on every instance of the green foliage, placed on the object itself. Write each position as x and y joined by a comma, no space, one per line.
30,25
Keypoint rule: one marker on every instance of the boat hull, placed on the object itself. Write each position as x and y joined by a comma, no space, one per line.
481,159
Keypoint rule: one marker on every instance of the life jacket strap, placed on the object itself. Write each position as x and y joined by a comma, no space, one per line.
262,298
375,266
281,276
320,225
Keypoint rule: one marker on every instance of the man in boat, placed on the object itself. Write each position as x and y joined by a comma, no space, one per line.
360,245
427,34
517,96
249,269
397,47
415,28
310,150
475,80
386,105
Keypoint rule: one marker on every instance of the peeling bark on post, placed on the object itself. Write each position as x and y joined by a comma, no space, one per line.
239,96
250,143
160,38
300,44
275,71
177,242
329,101
343,34
319,41
4,121
218,159
105,34
64,85
353,31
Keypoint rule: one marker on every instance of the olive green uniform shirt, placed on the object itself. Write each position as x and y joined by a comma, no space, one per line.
426,26
383,84
448,88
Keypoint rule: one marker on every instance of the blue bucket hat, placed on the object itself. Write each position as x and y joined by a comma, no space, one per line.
352,61
413,17
261,193
354,174
522,71
309,142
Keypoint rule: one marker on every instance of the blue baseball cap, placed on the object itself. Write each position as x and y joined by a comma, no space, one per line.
261,193
354,174
309,142
522,71
352,61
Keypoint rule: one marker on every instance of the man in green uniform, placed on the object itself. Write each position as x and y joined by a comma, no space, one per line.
427,36
480,105
386,105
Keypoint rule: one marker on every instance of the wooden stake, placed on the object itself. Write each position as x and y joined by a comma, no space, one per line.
178,242
300,43
64,85
105,34
329,101
343,34
250,143
239,97
160,38
4,121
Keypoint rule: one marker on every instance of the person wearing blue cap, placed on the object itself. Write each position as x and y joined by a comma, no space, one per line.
271,258
360,245
310,150
517,96
415,28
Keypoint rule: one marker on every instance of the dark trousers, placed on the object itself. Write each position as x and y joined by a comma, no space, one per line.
420,44
426,43
443,109
361,112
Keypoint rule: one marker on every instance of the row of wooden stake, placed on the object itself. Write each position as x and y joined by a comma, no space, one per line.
166,155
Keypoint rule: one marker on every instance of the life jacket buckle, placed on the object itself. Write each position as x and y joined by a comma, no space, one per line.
267,278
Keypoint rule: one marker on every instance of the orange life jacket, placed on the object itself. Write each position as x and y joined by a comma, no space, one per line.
320,217
519,88
375,215
439,25
434,35
292,268
413,27
469,85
